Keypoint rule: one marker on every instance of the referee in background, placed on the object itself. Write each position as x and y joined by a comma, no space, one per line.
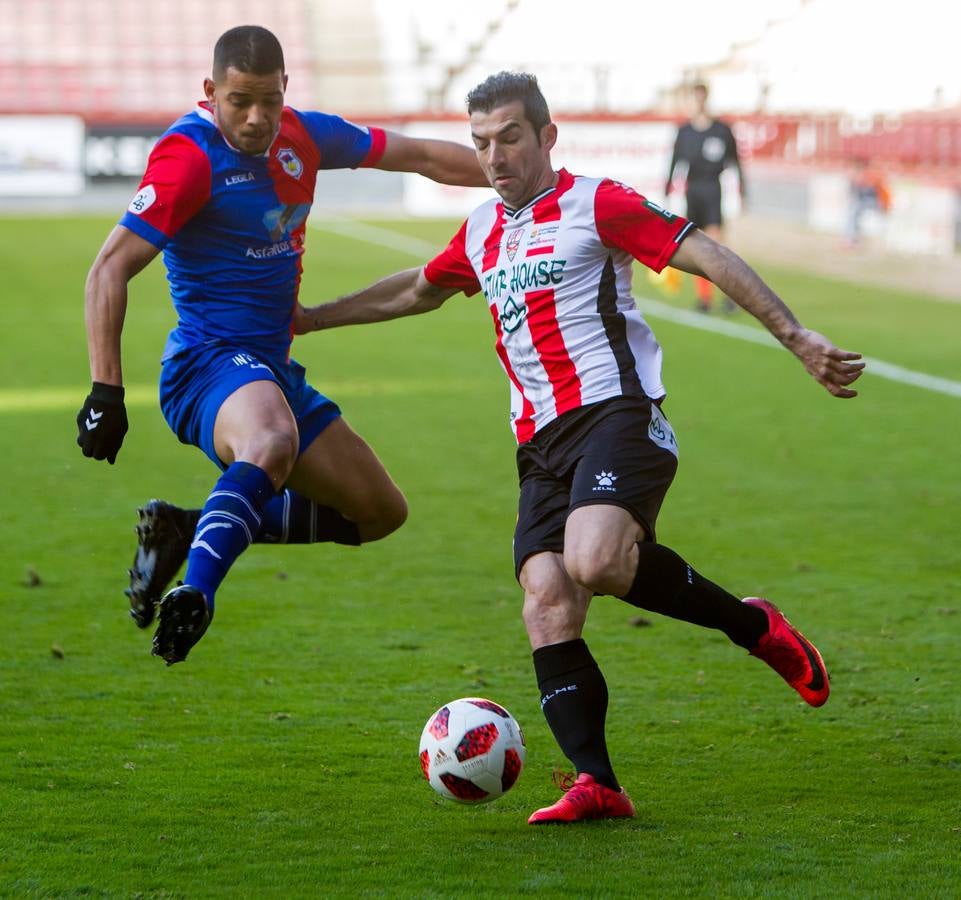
706,146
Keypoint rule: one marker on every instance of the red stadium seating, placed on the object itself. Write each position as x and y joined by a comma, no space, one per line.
104,59
126,61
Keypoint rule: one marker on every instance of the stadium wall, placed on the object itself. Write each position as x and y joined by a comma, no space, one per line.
797,169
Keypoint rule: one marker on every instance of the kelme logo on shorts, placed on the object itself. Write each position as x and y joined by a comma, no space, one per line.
605,481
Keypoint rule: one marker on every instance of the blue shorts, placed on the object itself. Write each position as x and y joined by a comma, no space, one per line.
195,383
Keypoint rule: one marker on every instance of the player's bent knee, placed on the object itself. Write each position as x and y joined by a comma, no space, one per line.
380,514
594,564
273,450
384,518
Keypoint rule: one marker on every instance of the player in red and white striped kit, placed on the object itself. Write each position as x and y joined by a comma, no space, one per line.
596,453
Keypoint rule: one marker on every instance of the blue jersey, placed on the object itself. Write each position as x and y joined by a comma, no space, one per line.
232,226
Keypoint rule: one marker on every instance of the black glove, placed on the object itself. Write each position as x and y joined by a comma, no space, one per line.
102,422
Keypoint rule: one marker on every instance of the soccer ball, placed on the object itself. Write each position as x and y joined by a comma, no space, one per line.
472,750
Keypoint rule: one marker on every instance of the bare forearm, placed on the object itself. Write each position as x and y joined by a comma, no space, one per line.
390,298
451,163
105,306
835,369
443,161
743,285
122,256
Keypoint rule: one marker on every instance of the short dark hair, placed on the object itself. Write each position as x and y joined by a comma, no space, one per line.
250,49
506,87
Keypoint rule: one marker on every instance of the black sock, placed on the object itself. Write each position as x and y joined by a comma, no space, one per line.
574,702
291,518
667,585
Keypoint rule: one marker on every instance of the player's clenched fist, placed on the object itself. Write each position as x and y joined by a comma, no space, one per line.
102,422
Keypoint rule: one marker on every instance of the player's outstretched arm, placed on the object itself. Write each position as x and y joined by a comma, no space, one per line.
406,293
102,420
122,256
443,161
830,366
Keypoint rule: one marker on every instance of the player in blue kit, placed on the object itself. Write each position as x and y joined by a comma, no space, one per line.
226,196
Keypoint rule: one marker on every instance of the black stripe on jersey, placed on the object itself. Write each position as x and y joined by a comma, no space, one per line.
684,232
615,327
514,213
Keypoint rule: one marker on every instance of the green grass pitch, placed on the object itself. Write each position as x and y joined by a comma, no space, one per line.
281,759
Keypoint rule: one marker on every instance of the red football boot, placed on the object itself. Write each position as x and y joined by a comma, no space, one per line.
791,655
585,799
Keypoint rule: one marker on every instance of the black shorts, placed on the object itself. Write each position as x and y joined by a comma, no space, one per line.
620,451
704,203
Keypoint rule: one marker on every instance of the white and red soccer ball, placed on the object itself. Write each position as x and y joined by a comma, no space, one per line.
472,750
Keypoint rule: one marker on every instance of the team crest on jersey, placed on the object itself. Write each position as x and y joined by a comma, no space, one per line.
290,162
513,242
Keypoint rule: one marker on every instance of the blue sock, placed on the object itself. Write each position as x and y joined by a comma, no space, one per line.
290,518
228,523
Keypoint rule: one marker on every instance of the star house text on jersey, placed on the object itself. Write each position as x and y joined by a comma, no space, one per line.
523,276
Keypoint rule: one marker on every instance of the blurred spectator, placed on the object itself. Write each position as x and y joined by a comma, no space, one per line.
869,193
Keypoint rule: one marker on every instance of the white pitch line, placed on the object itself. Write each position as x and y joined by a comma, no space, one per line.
381,237
385,237
908,376
755,335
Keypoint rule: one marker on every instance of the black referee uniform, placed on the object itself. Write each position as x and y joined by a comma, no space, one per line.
706,153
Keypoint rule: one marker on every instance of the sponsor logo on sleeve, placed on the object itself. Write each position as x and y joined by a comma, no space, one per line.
144,199
659,210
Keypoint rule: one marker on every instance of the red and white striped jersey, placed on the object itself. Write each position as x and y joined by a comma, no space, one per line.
557,278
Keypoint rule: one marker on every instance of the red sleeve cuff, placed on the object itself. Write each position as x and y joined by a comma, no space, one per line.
378,144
